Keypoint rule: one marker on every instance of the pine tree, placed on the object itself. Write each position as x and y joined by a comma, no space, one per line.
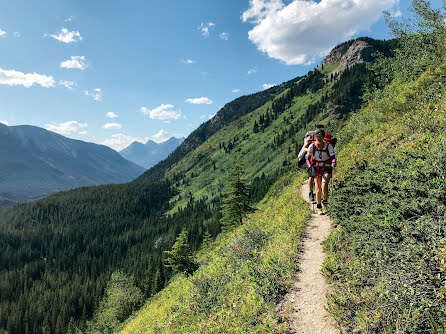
180,258
256,127
236,201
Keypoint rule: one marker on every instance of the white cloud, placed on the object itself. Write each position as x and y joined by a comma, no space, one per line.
206,28
202,116
160,136
2,33
224,36
16,34
75,62
4,122
236,90
267,86
120,141
112,126
66,36
303,30
188,61
96,94
68,128
164,112
16,78
200,100
68,19
111,114
252,71
67,84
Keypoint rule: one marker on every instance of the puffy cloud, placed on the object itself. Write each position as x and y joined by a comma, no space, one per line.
224,36
75,62
120,141
68,128
16,78
200,100
303,30
67,84
188,61
96,94
2,33
4,122
206,28
164,112
236,90
112,126
160,136
252,71
66,36
111,114
267,86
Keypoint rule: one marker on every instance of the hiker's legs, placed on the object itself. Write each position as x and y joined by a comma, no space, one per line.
325,182
310,184
318,180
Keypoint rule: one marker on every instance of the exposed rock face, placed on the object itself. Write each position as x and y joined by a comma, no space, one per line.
349,54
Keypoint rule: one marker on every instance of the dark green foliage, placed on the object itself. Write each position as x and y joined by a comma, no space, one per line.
180,258
57,254
236,201
394,216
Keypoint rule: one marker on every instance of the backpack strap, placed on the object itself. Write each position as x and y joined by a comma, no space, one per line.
320,171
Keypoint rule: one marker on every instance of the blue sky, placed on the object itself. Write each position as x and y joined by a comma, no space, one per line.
112,72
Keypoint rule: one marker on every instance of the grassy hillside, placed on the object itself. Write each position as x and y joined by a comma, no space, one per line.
243,274
387,255
91,232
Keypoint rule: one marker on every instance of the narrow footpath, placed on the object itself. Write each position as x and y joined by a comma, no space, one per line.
304,305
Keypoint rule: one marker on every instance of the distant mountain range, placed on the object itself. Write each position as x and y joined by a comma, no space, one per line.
36,162
149,154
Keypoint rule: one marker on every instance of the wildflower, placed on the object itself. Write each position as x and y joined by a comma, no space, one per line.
401,225
243,249
238,248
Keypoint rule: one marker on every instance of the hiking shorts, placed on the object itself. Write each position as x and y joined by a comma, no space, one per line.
312,171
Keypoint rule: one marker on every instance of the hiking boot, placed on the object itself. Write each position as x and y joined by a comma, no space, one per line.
319,209
311,196
325,202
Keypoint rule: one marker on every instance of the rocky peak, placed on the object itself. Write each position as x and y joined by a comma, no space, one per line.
349,53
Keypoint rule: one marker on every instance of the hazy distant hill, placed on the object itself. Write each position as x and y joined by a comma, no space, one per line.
36,162
149,154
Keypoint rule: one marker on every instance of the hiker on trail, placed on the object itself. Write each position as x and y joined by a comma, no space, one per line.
309,139
321,160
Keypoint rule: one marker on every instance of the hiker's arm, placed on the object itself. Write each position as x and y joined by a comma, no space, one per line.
310,153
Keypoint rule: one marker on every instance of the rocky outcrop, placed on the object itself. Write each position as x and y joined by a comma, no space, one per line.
349,54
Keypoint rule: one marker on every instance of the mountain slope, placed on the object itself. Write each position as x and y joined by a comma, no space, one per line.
185,189
150,153
387,254
36,162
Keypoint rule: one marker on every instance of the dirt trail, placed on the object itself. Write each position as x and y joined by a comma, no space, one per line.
304,304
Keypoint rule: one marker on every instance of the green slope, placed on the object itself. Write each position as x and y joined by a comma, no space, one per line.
387,254
242,276
90,232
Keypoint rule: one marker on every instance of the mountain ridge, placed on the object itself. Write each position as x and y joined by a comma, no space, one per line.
150,153
36,162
